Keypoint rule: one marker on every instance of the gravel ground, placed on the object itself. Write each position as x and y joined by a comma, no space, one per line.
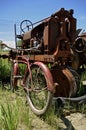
74,121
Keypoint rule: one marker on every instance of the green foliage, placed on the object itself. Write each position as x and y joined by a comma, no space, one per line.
9,117
14,114
82,87
4,69
19,43
22,68
50,117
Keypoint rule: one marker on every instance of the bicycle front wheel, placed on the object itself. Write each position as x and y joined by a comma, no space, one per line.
38,94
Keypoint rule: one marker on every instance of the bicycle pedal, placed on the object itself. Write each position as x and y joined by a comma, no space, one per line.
18,76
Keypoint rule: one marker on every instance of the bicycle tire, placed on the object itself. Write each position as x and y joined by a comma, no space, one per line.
37,81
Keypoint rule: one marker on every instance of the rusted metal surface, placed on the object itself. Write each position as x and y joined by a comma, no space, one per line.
53,39
79,48
65,82
55,35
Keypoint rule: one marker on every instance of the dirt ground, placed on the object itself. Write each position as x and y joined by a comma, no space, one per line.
74,121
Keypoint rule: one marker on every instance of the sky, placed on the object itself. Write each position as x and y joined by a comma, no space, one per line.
15,11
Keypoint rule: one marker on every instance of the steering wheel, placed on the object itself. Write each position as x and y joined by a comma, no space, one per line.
26,25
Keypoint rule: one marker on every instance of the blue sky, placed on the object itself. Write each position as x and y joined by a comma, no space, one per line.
14,11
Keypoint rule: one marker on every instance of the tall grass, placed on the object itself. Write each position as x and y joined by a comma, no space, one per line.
82,88
14,114
9,117
4,68
51,118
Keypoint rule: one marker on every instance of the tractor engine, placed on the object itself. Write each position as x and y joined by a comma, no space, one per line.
53,38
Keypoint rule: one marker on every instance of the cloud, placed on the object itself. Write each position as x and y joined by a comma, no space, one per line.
10,43
82,18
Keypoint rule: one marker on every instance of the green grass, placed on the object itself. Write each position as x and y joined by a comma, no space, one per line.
14,114
9,117
82,88
4,68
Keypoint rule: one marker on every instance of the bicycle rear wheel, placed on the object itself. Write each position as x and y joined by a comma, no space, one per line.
17,74
38,94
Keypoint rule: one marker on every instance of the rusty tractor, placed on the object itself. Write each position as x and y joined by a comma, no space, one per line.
52,52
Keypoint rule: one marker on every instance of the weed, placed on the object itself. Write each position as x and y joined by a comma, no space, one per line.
14,114
9,117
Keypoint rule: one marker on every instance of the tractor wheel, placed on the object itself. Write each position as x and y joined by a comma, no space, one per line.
66,82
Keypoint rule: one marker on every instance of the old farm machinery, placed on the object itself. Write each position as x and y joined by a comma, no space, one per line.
51,52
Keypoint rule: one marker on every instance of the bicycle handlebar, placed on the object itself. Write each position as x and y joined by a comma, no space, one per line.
27,49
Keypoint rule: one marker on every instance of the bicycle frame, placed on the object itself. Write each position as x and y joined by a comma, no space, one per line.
25,60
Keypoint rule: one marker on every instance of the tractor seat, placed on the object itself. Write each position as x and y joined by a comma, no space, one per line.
27,36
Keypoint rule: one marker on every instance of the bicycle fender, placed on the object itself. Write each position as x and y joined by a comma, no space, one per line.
48,75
